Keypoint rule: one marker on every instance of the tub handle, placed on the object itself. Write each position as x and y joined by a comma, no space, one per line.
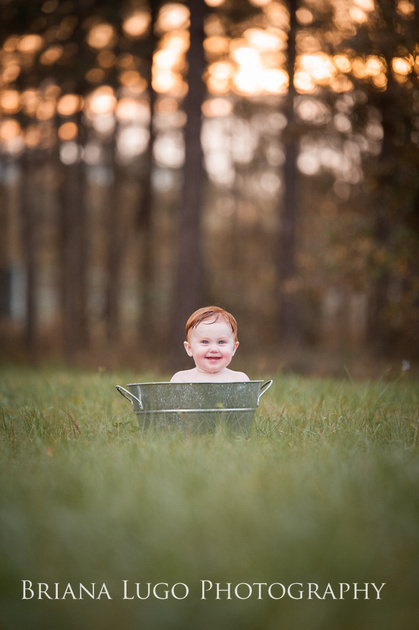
264,388
127,394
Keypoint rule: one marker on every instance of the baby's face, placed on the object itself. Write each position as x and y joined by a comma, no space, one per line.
212,345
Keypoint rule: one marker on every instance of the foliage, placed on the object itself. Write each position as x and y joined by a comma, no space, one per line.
96,129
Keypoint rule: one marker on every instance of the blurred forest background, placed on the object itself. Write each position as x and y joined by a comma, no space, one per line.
262,155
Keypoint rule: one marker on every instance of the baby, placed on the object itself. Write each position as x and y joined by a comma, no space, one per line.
211,340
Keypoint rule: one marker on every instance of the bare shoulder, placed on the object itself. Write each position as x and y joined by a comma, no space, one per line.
177,378
184,376
239,376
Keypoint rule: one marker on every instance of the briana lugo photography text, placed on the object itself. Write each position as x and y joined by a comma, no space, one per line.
207,590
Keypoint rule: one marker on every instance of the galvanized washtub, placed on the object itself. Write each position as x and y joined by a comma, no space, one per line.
196,407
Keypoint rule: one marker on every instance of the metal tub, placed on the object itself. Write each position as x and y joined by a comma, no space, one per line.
196,407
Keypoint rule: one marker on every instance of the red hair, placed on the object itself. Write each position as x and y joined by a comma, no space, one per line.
208,312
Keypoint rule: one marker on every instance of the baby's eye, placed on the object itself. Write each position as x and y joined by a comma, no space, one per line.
204,341
221,341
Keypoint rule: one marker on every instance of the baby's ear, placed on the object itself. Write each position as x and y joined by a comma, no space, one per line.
187,348
236,345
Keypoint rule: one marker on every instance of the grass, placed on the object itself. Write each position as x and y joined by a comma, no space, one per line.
325,491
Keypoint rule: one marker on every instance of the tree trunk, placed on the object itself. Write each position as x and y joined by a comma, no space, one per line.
189,271
5,270
29,240
378,326
387,204
288,318
74,260
115,245
147,328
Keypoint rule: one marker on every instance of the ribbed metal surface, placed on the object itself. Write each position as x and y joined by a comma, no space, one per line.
196,407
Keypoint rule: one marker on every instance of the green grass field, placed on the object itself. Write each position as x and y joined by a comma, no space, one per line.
286,526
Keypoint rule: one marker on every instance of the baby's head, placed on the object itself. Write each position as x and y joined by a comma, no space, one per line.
211,339
212,313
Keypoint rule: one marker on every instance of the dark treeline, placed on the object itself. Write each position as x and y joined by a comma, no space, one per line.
159,156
